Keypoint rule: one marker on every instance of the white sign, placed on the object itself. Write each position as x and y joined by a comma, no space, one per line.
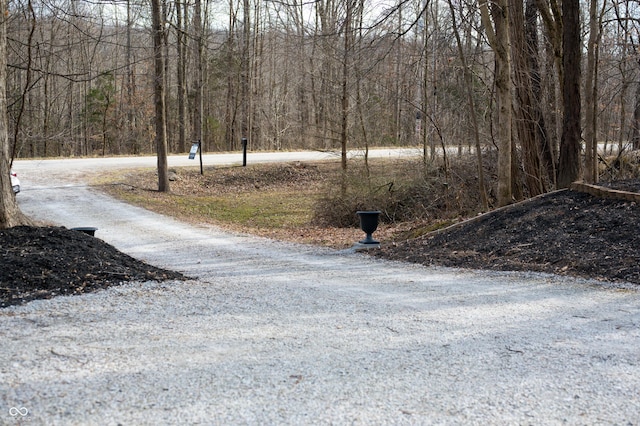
194,150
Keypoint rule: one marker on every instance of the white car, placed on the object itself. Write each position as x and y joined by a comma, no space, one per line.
15,182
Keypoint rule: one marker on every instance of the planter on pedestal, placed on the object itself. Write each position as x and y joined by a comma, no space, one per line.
369,223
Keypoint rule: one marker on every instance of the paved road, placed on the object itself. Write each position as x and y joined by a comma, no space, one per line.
274,333
73,167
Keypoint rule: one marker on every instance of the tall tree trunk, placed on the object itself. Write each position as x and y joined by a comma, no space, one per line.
245,72
256,79
425,93
500,42
552,17
231,95
345,93
591,95
132,140
181,50
10,214
435,93
27,84
198,113
159,97
397,116
570,143
167,86
542,138
524,109
358,65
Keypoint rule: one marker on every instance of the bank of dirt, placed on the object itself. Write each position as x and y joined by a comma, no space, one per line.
565,232
43,262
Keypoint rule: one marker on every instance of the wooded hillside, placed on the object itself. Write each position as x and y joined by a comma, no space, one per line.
535,79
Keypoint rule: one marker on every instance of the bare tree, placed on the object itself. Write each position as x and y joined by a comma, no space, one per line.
552,80
525,113
198,115
245,71
159,96
10,214
591,93
498,35
231,95
130,84
472,110
344,111
542,136
181,64
570,143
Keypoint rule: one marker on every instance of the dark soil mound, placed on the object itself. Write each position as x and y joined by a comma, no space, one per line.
39,263
564,232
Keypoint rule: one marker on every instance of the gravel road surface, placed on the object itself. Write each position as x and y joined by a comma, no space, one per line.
275,333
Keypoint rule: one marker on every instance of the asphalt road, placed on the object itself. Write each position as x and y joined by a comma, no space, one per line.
275,333
74,167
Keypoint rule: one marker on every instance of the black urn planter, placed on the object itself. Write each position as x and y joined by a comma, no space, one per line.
90,230
369,223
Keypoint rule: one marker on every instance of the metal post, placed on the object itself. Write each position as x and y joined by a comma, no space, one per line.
244,152
200,149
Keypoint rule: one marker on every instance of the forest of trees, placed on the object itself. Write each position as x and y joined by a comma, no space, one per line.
540,81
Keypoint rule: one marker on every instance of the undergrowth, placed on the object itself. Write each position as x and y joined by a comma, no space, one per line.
404,191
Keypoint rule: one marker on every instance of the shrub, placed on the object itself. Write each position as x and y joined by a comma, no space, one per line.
404,190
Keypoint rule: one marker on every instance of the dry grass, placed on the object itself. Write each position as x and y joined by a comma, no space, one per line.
303,202
274,201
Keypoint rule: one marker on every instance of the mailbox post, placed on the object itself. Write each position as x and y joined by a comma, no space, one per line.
196,147
244,152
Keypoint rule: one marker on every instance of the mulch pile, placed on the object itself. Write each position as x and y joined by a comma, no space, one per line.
565,232
42,262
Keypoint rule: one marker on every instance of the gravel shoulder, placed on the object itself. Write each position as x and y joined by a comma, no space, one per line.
281,333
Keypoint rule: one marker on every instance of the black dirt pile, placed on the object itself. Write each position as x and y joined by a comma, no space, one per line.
42,262
564,232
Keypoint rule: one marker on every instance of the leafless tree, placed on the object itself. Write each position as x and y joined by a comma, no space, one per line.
182,16
472,110
570,145
159,96
10,214
591,92
525,109
496,23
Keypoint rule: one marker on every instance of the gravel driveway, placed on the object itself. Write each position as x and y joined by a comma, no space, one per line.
274,333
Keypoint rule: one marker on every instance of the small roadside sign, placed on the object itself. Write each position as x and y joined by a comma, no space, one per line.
194,150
